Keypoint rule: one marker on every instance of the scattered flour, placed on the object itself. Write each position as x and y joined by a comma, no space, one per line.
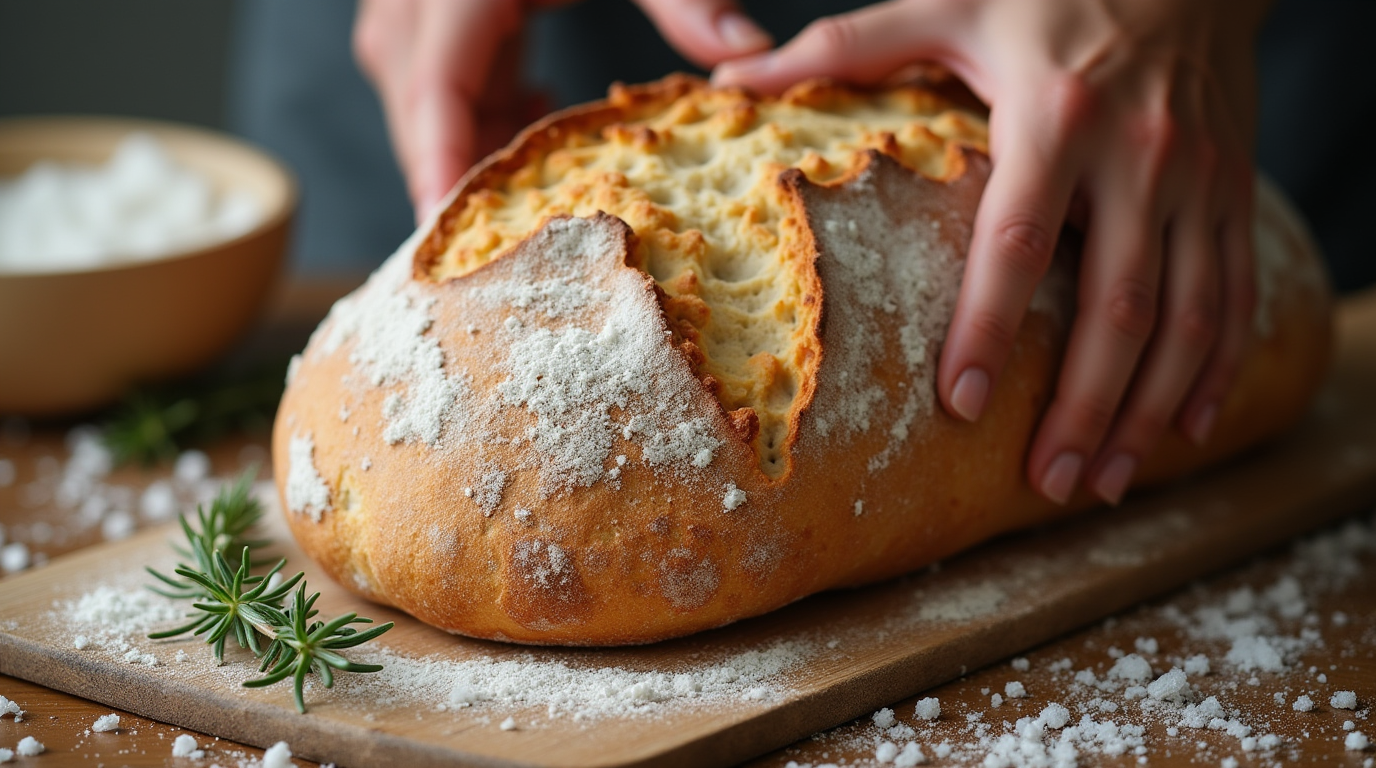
928,709
29,747
688,443
1119,717
277,756
185,746
734,497
571,379
1343,700
14,557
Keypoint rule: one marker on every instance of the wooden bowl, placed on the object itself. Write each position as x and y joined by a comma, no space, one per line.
74,340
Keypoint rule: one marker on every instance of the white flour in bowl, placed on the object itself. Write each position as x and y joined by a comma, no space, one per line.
139,205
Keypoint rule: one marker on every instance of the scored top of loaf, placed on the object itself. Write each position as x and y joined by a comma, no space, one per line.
699,175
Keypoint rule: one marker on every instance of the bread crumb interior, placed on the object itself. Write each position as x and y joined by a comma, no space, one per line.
697,179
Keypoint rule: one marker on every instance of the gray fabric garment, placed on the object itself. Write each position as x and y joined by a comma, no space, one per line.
299,93
1318,107
294,89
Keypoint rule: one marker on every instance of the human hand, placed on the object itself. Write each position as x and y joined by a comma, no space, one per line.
447,73
1142,112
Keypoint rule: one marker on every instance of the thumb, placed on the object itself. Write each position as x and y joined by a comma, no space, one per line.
706,31
444,139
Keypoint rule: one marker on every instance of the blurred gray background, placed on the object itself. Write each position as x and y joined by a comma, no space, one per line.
280,73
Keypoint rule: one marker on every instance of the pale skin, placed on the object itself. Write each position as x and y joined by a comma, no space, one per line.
1133,118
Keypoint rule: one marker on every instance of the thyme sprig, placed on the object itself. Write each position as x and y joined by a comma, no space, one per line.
230,601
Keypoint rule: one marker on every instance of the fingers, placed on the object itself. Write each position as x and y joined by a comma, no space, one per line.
1201,409
706,32
1119,282
430,60
1188,327
1016,227
864,46
1238,291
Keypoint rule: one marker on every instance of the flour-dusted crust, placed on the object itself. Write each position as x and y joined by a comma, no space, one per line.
549,438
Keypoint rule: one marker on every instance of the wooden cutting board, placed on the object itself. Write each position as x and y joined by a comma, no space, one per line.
848,653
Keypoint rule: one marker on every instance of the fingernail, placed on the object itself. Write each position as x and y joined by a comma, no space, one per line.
737,70
969,393
1060,478
1203,424
740,34
1113,481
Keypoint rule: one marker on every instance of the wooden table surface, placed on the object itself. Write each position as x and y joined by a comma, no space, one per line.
1345,658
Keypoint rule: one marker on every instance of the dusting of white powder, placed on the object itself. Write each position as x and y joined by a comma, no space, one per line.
567,249
387,323
582,693
964,603
123,611
306,491
488,492
572,379
688,443
885,277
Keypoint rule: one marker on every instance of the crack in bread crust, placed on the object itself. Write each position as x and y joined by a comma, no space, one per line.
697,173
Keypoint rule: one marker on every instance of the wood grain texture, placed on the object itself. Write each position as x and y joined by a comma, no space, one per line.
1052,580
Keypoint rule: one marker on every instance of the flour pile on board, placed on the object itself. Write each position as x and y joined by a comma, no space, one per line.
963,603
108,617
1207,696
577,692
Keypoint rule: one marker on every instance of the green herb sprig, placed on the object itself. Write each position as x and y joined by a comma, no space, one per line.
232,602
155,424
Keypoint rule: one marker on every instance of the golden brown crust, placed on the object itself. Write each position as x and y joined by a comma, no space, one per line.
553,467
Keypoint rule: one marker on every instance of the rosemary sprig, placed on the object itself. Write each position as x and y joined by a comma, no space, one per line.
152,425
232,602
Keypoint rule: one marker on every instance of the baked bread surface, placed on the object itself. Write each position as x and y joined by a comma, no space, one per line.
667,362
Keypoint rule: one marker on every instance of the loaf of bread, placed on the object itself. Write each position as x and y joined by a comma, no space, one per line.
667,361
